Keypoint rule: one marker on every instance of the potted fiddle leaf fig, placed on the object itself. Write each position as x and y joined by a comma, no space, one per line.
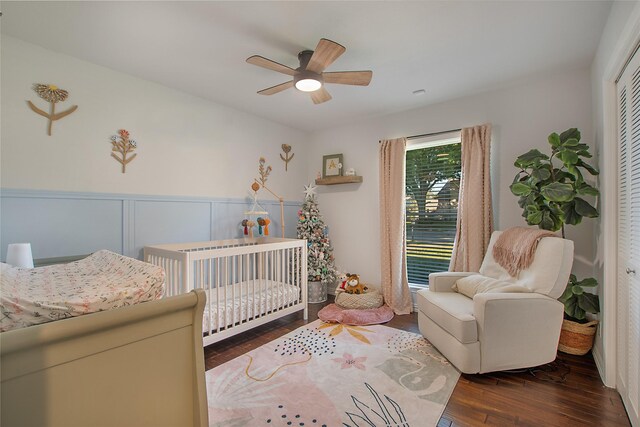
551,188
578,333
553,193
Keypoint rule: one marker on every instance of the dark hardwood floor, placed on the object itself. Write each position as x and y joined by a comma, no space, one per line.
499,399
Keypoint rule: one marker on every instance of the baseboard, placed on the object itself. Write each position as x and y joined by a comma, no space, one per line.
599,360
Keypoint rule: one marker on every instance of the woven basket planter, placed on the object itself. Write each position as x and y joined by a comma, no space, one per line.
577,338
371,299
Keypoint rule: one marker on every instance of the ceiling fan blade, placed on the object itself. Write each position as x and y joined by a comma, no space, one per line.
359,78
326,52
319,96
277,88
263,62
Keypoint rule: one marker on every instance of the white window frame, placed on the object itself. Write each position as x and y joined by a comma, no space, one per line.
431,141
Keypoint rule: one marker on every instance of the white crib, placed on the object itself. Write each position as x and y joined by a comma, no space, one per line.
248,282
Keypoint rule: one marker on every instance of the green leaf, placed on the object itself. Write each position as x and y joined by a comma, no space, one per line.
541,174
530,158
520,189
573,170
569,214
583,208
589,303
558,192
589,282
571,142
585,189
568,157
561,176
572,309
577,290
571,133
534,218
554,140
566,295
573,278
550,221
588,167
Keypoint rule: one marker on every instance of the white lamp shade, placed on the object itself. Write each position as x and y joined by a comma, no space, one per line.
19,255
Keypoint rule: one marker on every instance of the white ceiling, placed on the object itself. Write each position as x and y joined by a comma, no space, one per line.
448,48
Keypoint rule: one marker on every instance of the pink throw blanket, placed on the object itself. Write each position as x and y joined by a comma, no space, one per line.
515,248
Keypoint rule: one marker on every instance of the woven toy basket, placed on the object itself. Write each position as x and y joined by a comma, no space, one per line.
371,299
577,338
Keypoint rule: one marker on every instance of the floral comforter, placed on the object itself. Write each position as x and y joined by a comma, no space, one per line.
102,281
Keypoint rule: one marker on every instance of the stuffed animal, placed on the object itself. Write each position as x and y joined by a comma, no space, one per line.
354,286
342,278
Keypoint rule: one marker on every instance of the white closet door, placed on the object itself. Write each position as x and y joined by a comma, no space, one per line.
628,351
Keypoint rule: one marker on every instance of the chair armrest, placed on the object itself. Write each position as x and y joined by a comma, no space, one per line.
442,282
517,329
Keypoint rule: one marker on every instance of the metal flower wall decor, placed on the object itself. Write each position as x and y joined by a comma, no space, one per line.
123,145
286,158
52,94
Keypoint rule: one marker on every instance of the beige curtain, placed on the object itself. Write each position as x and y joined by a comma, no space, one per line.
393,261
475,213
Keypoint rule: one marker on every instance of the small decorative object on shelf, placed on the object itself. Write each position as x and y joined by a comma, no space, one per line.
53,94
286,158
332,180
350,172
332,165
124,146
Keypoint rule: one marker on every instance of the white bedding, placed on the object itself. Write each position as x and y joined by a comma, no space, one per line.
102,281
268,296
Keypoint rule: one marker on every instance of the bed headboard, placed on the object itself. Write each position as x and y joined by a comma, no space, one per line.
141,365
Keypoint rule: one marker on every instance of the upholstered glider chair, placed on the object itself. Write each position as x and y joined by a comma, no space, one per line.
514,323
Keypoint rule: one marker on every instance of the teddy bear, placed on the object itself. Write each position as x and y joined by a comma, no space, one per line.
342,279
354,286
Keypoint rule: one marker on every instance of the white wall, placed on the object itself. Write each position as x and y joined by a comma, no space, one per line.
522,116
186,145
618,38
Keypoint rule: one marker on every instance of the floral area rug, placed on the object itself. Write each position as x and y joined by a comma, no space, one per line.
329,375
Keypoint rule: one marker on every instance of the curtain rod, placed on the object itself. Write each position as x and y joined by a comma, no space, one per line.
430,134
433,133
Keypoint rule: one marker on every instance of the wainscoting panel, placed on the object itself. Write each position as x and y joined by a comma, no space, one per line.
62,224
226,219
158,222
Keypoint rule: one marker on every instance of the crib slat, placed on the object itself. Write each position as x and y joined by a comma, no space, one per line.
218,313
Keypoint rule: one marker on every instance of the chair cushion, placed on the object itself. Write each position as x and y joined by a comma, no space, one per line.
452,311
547,275
478,284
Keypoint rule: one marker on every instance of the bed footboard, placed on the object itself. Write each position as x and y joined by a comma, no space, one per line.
141,365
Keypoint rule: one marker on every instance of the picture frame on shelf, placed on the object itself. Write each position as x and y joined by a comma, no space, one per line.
331,165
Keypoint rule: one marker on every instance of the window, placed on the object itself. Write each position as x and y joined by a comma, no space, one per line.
432,186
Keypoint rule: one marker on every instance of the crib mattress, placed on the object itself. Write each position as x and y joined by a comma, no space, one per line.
102,281
256,299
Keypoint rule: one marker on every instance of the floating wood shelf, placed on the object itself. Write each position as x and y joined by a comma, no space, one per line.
333,180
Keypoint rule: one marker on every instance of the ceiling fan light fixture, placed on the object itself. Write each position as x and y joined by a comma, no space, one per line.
307,81
308,85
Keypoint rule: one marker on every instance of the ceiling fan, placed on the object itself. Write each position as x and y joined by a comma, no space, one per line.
310,76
